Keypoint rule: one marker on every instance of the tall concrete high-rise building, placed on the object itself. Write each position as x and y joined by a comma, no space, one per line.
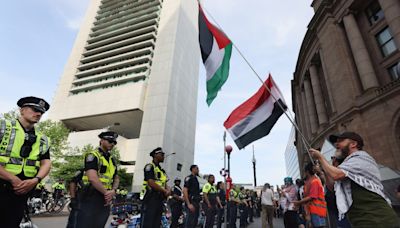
291,158
134,69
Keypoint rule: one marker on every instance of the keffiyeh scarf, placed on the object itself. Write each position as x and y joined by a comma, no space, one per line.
361,168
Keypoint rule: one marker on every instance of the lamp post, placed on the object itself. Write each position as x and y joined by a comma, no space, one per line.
254,169
228,180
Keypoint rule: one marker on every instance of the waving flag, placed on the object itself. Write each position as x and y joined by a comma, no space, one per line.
216,49
255,118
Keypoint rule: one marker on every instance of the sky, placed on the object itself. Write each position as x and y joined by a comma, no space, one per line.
37,37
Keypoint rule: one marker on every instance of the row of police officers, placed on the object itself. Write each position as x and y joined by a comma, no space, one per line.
25,161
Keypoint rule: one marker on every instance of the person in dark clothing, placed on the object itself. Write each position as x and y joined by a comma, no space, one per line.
191,194
176,203
100,181
222,197
154,191
74,185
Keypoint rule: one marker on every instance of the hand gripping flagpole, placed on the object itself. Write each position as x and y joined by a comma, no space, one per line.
304,140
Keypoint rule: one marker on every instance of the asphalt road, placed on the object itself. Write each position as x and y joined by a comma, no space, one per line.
61,222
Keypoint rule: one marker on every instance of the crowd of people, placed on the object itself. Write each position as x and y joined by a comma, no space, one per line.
345,193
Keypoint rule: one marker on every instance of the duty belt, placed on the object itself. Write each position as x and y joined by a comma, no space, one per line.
19,161
195,198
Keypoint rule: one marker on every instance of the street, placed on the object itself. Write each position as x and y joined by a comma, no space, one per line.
61,221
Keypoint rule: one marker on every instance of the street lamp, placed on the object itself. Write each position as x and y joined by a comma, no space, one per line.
254,169
228,180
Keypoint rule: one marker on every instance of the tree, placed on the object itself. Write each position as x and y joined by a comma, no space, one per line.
125,179
13,114
57,132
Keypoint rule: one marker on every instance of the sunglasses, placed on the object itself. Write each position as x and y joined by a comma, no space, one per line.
35,109
112,141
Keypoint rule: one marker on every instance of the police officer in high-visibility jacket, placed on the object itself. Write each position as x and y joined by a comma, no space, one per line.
58,189
24,159
233,203
211,201
100,182
154,191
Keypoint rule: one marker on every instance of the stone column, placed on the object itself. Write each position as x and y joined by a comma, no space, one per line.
318,97
391,10
312,112
306,117
360,53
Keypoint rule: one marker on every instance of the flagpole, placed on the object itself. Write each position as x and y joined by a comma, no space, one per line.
226,204
308,146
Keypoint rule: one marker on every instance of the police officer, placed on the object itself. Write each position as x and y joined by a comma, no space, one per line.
100,182
58,189
176,203
24,159
211,200
74,186
233,202
191,194
154,191
243,207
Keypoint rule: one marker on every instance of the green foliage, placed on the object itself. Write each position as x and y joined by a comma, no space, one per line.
70,163
13,114
57,132
125,179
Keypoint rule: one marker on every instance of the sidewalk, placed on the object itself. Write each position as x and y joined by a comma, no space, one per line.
278,223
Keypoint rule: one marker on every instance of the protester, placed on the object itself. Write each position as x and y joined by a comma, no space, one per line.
314,198
330,198
290,193
301,221
267,204
358,187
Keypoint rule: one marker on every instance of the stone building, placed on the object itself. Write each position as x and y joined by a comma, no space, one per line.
347,77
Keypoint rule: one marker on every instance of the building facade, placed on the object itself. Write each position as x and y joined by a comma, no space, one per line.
130,71
346,76
291,158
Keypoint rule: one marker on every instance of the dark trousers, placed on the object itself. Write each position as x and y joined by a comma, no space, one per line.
210,216
73,215
192,217
152,209
232,215
176,212
12,207
251,214
91,211
220,217
243,215
290,219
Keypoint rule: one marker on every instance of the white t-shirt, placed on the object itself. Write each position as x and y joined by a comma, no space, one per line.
266,197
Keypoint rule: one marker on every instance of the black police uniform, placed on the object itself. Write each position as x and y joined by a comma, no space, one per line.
176,206
152,206
92,210
193,186
74,204
12,206
222,197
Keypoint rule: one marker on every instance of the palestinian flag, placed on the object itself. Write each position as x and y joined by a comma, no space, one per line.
255,118
216,49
